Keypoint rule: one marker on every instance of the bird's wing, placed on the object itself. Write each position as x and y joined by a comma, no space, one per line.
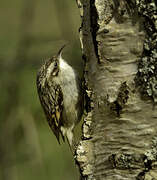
51,99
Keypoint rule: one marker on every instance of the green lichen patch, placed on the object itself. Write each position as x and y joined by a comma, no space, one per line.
126,161
146,78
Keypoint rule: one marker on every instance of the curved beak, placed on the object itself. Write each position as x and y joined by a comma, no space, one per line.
59,54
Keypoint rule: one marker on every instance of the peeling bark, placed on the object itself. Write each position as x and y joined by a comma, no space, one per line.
119,131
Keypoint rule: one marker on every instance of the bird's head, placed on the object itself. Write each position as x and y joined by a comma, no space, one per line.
52,65
50,68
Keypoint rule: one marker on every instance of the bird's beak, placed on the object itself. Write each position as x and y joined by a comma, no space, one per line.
59,54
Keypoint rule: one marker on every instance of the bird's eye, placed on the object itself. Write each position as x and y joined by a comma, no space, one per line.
55,64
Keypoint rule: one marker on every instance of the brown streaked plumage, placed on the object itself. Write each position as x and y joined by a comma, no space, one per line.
60,96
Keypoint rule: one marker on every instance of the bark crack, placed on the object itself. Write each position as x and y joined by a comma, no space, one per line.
94,26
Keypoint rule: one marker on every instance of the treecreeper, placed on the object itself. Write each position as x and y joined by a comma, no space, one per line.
60,93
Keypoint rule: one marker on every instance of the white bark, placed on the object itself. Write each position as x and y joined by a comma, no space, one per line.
120,139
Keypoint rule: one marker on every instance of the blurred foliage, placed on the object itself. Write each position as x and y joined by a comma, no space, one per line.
30,32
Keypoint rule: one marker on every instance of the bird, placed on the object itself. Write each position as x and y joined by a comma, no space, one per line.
60,93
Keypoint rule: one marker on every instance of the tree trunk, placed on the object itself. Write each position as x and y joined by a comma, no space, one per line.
119,46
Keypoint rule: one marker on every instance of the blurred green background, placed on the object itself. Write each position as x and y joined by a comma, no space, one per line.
31,31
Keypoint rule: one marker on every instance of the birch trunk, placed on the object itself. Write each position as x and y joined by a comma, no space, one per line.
119,47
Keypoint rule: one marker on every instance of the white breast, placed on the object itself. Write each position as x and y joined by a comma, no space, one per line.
69,84
67,80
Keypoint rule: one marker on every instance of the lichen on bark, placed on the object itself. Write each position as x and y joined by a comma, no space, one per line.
146,78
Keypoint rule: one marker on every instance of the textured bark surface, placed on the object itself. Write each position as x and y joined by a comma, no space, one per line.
120,129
